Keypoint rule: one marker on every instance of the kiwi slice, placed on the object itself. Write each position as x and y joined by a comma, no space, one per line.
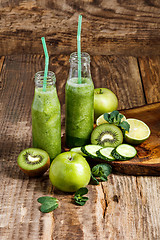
107,135
33,161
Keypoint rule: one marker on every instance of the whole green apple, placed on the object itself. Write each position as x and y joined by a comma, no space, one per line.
104,101
69,171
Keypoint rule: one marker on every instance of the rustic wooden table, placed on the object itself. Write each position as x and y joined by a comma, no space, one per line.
125,207
123,39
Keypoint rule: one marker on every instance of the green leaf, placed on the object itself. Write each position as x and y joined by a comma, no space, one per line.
95,181
107,169
46,198
101,170
81,203
96,171
125,125
82,191
78,197
48,207
120,116
48,204
114,114
114,117
106,116
104,178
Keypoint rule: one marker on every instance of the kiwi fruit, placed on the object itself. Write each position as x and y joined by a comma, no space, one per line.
107,135
33,161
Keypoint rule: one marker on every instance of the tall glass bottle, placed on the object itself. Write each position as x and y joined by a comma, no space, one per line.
46,116
79,101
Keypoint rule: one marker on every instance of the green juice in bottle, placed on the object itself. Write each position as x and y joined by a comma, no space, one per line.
46,116
79,101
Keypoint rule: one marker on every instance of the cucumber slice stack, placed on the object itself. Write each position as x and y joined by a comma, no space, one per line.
105,153
124,152
90,150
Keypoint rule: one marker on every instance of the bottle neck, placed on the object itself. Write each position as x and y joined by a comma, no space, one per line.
85,65
50,81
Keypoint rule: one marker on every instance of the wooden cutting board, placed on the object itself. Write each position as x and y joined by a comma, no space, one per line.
147,160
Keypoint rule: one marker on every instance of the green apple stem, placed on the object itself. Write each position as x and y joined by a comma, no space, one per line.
100,91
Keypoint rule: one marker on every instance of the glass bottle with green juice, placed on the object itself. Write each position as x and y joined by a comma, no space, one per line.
79,102
46,115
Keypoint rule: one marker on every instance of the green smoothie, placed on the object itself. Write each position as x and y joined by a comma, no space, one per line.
79,100
46,121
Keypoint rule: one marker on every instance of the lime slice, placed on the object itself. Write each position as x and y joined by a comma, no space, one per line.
138,132
101,119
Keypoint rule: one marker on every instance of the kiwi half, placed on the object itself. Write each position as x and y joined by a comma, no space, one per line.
107,135
33,161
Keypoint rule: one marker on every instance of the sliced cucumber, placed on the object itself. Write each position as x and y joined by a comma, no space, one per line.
124,152
105,153
78,150
90,150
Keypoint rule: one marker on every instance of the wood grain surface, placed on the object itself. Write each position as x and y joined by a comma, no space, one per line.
124,207
109,27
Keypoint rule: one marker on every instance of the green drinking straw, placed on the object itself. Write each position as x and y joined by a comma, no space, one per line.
79,47
46,63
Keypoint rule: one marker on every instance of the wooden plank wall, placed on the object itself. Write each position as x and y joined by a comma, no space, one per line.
108,27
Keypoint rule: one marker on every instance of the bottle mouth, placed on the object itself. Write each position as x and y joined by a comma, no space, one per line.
39,77
85,57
